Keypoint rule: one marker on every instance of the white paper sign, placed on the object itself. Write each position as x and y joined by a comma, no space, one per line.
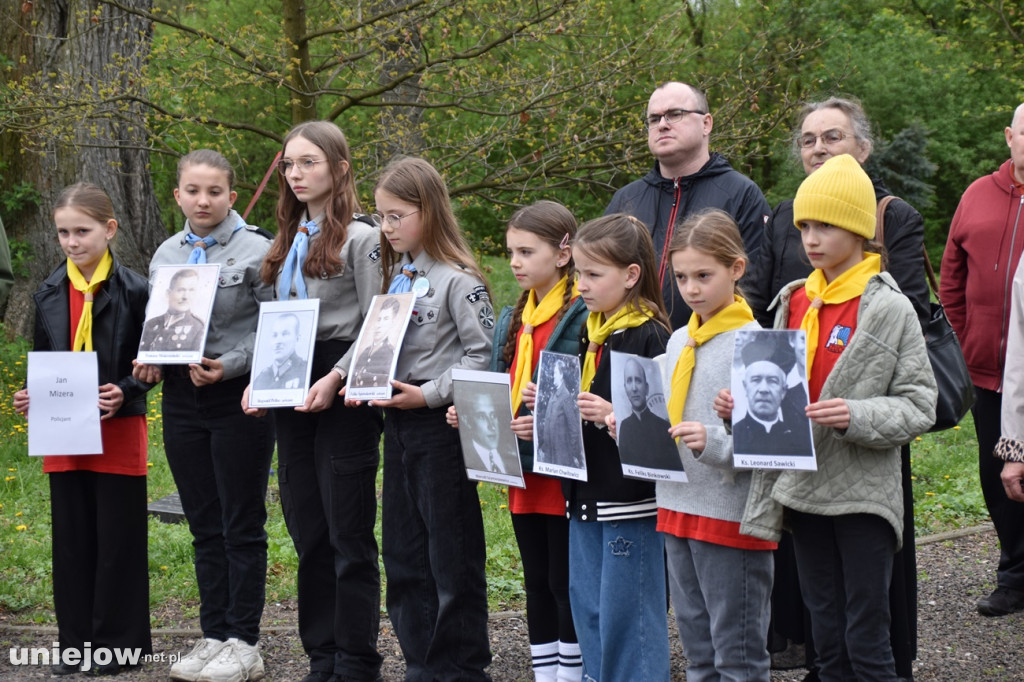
64,394
489,448
283,355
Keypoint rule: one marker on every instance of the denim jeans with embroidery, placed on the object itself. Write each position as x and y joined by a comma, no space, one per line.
617,591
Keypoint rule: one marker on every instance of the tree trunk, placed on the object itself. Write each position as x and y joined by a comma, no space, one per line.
69,48
294,22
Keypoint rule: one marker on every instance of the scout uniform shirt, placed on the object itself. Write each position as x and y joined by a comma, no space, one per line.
451,326
236,304
345,294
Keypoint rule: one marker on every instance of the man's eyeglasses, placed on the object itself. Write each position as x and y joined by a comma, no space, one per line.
829,137
393,220
303,163
670,116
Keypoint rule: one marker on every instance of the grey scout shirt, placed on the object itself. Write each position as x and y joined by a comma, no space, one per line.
451,326
239,288
345,294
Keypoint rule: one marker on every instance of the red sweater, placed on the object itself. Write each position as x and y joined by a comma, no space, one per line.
985,242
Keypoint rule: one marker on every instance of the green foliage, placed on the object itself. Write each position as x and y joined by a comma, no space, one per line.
947,491
18,195
21,254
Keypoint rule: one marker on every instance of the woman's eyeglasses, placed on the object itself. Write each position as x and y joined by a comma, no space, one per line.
829,137
303,163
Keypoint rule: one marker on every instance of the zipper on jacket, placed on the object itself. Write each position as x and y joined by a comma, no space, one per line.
1007,278
669,229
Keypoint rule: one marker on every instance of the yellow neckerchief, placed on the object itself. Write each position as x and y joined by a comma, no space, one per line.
599,329
83,336
534,315
846,286
733,316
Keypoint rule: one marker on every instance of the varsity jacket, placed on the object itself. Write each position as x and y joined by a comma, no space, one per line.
607,495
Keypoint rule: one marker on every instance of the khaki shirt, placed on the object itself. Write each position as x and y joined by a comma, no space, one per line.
236,304
451,326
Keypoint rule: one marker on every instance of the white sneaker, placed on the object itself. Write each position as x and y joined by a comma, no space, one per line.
191,664
235,662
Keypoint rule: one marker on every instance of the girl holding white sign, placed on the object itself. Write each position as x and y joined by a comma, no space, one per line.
720,579
97,502
433,534
328,454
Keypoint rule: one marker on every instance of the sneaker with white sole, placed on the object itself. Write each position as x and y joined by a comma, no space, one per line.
192,663
235,662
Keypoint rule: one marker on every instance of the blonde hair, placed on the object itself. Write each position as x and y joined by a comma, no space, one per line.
621,240
712,232
87,198
414,181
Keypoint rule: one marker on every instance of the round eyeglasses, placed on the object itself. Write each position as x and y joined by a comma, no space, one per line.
393,220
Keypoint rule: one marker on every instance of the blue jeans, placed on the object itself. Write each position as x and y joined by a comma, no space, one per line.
617,591
845,564
721,597
327,467
433,548
220,460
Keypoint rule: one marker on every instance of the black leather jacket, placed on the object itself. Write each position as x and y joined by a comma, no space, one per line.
118,313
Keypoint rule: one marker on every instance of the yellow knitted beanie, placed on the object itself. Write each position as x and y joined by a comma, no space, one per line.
839,193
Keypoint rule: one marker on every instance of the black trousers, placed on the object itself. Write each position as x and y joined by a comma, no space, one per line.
543,542
220,459
845,564
434,550
100,560
327,467
791,621
1007,515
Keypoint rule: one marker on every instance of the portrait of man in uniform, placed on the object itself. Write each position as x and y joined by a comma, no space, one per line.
286,369
373,366
178,328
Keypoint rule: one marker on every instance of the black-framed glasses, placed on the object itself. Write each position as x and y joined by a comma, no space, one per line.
393,220
670,116
303,163
828,138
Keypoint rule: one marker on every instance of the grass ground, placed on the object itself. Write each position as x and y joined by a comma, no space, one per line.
946,495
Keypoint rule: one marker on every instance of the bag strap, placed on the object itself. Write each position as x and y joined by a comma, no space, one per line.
880,238
880,218
932,282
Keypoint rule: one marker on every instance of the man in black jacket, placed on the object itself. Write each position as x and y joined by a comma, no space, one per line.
687,178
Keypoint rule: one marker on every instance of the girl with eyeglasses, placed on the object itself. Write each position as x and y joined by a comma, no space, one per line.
433,534
328,454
